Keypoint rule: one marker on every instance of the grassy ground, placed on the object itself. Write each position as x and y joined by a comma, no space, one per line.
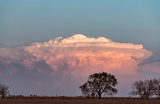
78,101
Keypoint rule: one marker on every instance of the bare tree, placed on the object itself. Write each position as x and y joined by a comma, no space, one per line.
98,84
157,90
4,90
145,89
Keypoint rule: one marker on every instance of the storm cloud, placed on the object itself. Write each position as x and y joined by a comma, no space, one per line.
76,57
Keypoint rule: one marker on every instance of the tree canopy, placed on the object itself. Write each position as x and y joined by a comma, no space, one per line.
146,89
98,84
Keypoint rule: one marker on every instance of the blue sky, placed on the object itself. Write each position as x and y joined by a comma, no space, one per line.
23,22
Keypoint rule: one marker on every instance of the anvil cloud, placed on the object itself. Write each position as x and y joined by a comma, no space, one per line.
76,56
88,55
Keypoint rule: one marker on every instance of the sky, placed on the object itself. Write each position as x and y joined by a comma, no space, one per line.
29,68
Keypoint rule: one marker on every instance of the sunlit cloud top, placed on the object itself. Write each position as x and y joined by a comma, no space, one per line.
80,40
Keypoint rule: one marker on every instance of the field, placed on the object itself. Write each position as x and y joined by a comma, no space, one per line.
62,100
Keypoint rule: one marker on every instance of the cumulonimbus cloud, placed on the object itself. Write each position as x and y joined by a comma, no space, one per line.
77,55
78,52
87,55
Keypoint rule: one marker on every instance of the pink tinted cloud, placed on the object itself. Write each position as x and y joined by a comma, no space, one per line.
78,54
83,55
77,57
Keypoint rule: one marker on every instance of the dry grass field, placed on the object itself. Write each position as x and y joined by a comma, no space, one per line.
78,101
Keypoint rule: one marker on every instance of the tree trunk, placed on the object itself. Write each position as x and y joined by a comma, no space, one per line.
3,96
99,95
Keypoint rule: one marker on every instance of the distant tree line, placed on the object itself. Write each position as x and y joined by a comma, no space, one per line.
103,84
